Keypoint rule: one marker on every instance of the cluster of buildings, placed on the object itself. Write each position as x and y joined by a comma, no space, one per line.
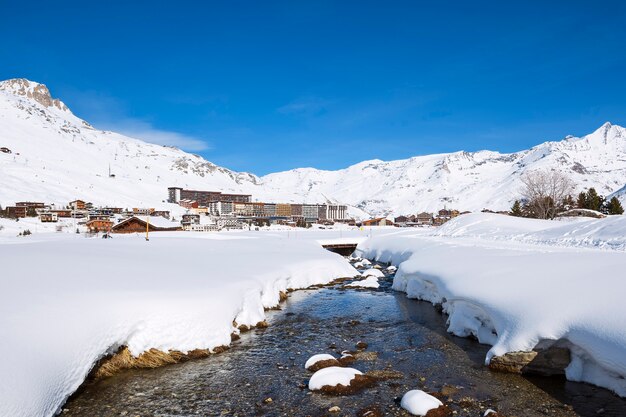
96,219
426,219
209,211
241,206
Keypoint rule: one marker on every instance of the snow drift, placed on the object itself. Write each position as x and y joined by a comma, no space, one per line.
517,284
66,301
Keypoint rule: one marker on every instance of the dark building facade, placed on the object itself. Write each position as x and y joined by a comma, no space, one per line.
175,194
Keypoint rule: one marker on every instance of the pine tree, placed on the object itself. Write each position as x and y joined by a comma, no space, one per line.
615,207
516,210
581,203
594,201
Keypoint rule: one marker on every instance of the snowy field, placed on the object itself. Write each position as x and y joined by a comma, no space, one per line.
67,300
517,284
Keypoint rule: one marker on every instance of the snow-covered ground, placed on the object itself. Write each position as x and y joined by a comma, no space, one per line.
517,284
67,300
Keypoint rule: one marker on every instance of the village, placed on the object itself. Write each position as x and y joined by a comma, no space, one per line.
206,211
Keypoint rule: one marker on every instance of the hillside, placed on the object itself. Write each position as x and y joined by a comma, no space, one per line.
465,180
58,157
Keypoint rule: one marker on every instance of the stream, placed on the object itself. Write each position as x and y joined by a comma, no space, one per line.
263,373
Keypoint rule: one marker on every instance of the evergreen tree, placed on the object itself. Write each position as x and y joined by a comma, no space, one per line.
594,201
615,207
581,203
516,210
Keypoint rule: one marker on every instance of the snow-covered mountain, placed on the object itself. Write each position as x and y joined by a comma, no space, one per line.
58,157
465,180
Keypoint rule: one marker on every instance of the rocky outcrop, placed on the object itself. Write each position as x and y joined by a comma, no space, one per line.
32,90
548,362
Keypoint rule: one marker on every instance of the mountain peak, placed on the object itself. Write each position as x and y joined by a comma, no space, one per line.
22,87
609,131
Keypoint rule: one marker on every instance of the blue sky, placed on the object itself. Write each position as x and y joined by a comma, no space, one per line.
268,86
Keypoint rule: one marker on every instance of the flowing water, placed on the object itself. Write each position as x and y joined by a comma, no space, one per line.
263,373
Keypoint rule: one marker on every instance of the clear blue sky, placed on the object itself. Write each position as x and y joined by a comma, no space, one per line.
263,86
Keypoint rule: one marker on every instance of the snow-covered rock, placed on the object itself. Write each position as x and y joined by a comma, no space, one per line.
369,282
419,403
321,357
373,272
332,377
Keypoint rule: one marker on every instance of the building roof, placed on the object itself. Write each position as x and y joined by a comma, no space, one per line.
155,221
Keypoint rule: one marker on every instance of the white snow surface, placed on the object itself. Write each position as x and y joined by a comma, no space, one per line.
517,284
318,358
373,272
332,376
57,157
369,282
67,300
418,403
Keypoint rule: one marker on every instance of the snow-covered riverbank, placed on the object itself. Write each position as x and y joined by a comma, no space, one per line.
66,300
517,284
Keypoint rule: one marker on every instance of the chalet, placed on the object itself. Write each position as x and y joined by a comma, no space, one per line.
162,213
98,225
62,212
404,220
98,216
30,205
4,149
143,211
424,219
188,204
16,212
136,224
381,221
77,205
48,217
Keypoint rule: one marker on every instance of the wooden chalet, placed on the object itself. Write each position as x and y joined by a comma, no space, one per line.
138,225
382,221
99,225
77,205
16,212
62,212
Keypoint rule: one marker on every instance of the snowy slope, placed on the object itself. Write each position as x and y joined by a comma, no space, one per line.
58,157
465,180
179,291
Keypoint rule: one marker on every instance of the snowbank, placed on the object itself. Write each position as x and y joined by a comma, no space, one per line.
517,284
67,300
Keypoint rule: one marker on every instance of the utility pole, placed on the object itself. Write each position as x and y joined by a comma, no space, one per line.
147,227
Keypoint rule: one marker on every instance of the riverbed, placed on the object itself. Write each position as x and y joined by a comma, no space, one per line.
263,374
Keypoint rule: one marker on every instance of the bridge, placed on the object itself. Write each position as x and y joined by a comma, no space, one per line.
343,249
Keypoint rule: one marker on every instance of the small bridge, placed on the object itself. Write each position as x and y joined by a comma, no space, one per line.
343,249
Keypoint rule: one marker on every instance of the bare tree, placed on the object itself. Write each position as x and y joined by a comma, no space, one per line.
544,192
